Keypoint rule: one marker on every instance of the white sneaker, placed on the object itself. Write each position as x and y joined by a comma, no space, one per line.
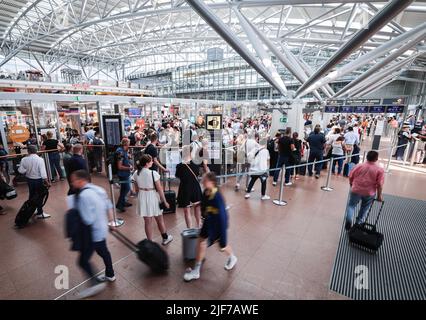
289,184
274,183
191,275
232,261
168,240
265,197
247,195
44,215
104,278
92,291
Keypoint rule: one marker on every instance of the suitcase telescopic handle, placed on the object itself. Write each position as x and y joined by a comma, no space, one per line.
380,211
124,240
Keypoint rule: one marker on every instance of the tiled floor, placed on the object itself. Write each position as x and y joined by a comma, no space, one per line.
284,252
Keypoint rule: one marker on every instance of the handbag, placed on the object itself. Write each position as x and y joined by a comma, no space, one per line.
161,204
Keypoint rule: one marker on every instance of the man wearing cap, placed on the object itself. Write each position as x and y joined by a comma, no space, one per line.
35,171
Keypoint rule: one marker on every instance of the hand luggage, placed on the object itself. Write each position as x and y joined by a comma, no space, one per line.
347,168
366,235
170,197
147,251
189,243
6,191
29,207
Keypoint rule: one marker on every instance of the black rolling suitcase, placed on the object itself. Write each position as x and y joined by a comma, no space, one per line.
366,235
30,206
170,197
302,170
147,251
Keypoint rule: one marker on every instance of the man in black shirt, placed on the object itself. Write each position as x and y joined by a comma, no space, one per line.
53,146
285,149
151,149
316,142
75,163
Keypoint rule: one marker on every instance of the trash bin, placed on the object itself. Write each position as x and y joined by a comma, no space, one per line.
189,243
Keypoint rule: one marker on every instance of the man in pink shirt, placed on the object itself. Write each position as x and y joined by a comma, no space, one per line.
366,180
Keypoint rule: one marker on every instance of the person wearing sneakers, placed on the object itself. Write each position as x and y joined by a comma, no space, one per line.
214,228
259,168
35,171
95,210
366,181
337,152
149,190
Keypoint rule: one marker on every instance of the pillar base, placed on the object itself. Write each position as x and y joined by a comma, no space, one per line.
325,188
117,223
279,203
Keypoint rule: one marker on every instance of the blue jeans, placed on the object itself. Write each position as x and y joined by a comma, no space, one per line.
33,186
124,190
55,164
353,201
315,156
286,161
339,164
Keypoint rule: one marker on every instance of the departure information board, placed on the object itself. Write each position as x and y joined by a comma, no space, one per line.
112,129
346,109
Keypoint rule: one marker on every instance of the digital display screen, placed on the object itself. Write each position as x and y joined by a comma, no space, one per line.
377,109
361,109
331,109
346,109
395,109
135,112
112,129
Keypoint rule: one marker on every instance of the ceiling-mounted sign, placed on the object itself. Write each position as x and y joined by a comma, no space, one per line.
213,122
393,101
346,109
331,109
335,102
395,109
283,120
377,109
361,109
357,102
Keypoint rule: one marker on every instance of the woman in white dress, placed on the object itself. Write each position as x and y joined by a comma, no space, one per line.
150,191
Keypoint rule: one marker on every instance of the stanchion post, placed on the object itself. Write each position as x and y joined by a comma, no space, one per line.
280,201
364,156
118,222
49,170
407,149
327,185
389,160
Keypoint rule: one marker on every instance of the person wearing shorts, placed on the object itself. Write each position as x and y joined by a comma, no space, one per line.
214,228
189,194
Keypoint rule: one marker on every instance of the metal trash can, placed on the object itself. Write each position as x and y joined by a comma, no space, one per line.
189,243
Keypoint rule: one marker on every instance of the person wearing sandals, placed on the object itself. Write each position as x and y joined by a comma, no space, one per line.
214,228
149,190
189,193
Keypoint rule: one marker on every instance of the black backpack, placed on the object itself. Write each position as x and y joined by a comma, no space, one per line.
97,142
112,160
132,138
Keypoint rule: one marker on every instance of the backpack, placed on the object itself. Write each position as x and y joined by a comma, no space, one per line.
97,142
132,138
79,233
112,160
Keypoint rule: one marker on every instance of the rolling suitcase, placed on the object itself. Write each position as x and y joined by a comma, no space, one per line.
170,197
147,251
366,235
30,206
189,243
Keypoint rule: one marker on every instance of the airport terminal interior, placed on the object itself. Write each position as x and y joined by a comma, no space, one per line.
212,149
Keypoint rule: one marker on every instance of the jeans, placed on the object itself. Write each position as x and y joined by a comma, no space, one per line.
124,190
55,164
102,250
33,186
339,163
315,156
97,161
283,160
253,179
244,167
354,198
400,153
